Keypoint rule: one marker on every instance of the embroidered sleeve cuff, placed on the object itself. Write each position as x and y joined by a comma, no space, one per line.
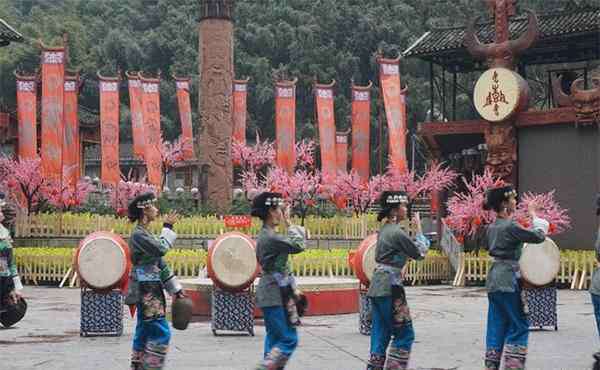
168,235
541,224
172,285
423,244
17,282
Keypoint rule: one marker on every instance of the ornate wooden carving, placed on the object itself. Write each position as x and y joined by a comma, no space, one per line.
216,9
585,103
216,111
501,141
503,51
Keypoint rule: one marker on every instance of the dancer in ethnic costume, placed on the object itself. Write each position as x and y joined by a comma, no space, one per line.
149,276
276,293
507,323
595,286
10,283
390,314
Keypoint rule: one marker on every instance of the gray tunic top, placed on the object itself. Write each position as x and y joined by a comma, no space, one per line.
595,286
505,240
272,251
394,248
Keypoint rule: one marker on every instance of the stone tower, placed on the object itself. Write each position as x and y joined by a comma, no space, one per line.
215,63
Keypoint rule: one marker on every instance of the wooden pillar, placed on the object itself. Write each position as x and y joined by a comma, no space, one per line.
215,62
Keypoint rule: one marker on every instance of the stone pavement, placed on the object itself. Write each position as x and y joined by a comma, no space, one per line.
449,325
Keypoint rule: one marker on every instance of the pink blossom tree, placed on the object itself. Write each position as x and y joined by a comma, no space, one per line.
172,153
466,213
124,192
436,178
349,186
305,155
25,182
253,157
65,197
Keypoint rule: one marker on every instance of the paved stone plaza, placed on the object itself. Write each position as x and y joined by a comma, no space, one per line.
449,324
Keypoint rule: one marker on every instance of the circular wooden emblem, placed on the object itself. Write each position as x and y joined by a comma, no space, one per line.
363,261
232,263
540,263
102,260
499,94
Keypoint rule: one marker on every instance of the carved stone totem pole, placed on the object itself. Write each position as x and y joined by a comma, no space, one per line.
501,93
215,101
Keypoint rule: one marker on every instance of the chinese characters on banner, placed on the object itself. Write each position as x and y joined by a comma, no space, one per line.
326,121
71,147
285,124
153,138
109,129
27,116
395,111
240,93
135,106
53,75
361,120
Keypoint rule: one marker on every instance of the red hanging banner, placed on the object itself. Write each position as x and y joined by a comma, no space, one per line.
185,115
285,124
326,121
240,94
53,76
135,107
153,139
109,129
27,116
341,151
361,126
395,111
71,149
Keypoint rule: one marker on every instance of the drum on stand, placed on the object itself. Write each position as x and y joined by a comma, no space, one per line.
363,260
540,263
231,262
102,261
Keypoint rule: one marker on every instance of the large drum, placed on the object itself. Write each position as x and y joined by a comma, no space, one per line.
232,263
102,261
540,263
363,260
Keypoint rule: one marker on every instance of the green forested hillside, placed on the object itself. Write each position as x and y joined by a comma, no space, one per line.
327,38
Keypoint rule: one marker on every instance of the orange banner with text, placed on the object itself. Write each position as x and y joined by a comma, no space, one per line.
135,107
27,116
395,111
53,75
153,138
326,121
240,95
71,148
361,127
341,152
285,124
185,116
109,129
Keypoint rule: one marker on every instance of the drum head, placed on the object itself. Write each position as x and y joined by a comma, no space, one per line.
233,261
540,263
368,258
101,262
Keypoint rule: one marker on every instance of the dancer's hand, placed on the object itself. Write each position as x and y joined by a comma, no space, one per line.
180,294
14,297
417,221
172,218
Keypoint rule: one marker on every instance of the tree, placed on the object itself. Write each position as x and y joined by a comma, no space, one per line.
24,179
350,186
252,157
171,154
66,197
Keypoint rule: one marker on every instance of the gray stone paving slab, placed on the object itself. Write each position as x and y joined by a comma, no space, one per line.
449,325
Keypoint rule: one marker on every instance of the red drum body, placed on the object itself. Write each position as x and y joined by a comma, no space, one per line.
363,260
102,261
231,262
